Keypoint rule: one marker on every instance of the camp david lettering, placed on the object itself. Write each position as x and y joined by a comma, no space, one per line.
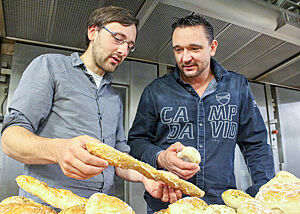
178,122
221,117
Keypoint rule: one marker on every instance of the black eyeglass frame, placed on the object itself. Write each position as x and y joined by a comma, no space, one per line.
131,45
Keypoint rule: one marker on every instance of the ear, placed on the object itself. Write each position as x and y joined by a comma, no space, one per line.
213,47
92,32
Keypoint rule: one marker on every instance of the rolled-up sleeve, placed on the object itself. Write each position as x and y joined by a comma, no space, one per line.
33,97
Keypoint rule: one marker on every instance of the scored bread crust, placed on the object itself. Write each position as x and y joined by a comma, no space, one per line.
102,203
59,198
124,161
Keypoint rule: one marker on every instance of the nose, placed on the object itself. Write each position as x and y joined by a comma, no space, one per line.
123,49
186,56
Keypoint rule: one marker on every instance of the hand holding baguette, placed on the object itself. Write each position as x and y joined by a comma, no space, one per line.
119,159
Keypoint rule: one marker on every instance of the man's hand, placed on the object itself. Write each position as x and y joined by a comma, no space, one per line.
168,159
75,161
160,190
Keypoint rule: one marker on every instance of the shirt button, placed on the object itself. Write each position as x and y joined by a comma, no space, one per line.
201,124
201,146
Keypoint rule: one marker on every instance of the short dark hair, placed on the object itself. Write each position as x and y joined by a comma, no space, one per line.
195,20
106,15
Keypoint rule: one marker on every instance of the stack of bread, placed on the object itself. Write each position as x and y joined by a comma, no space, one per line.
193,205
280,195
63,199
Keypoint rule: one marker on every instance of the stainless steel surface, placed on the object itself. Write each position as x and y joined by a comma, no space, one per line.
289,116
247,30
271,126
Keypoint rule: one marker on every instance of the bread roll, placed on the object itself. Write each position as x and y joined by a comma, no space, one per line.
190,154
244,203
100,203
119,159
59,198
233,197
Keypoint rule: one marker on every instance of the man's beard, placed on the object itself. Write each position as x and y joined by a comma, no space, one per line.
103,62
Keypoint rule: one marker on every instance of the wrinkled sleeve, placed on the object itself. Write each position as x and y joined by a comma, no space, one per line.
32,99
121,144
252,140
142,134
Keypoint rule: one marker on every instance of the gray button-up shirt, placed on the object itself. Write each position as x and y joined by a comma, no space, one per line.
56,99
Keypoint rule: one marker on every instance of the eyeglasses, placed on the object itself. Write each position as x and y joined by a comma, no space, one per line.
120,39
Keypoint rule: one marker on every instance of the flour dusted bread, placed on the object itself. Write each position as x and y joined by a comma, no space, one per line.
100,203
282,192
190,154
119,159
59,198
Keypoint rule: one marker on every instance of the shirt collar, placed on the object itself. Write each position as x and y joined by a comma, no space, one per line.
216,68
77,62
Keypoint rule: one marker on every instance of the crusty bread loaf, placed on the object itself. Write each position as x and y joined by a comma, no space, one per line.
244,203
78,209
59,198
16,200
26,208
18,204
29,208
283,196
100,203
189,154
191,205
119,159
4,208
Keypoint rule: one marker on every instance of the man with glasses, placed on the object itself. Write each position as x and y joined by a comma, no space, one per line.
62,102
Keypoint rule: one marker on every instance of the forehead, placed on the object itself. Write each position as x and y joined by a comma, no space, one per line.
189,35
128,31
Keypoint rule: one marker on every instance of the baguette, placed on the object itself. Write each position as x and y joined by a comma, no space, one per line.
58,198
124,161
